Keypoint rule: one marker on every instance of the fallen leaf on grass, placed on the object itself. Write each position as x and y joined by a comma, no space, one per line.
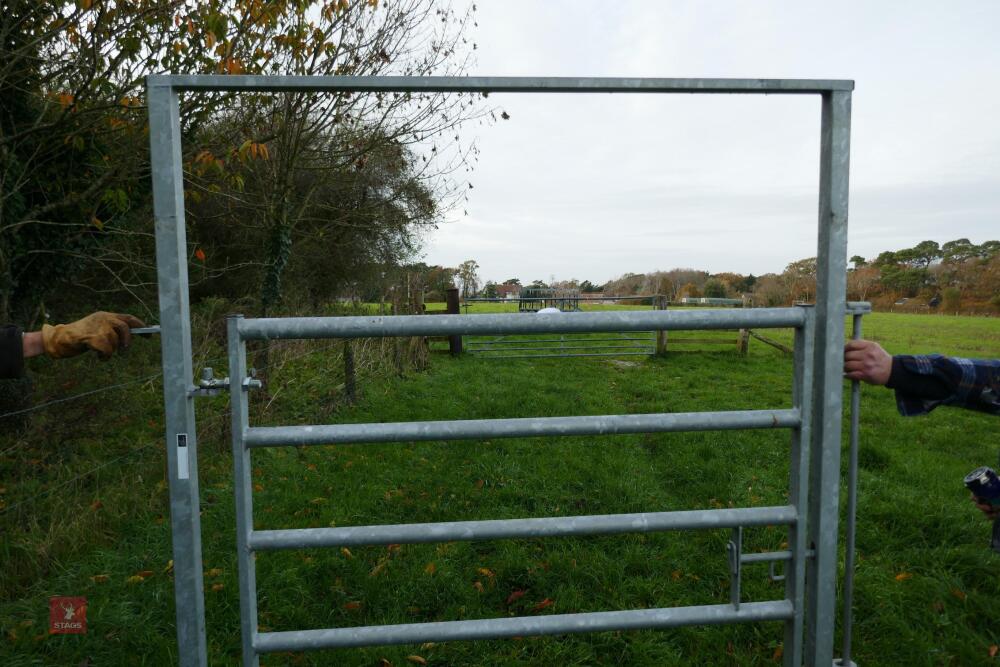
217,587
993,650
515,596
903,576
676,575
145,574
214,572
258,488
958,593
547,602
347,552
384,663
427,646
135,579
96,505
416,660
779,651
169,568
352,606
486,572
430,569
480,483
99,578
478,585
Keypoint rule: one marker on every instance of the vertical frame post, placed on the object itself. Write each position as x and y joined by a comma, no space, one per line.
846,628
243,487
178,379
452,301
798,487
828,364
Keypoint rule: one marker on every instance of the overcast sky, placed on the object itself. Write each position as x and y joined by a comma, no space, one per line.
593,186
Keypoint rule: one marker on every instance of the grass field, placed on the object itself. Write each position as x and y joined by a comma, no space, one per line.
927,590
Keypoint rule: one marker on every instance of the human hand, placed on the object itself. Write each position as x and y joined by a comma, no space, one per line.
989,510
866,361
102,332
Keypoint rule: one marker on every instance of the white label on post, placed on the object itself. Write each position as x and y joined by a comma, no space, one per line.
182,456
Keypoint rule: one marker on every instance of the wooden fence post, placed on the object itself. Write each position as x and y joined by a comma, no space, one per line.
350,387
454,342
661,335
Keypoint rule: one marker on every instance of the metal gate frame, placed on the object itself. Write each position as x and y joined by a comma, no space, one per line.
808,609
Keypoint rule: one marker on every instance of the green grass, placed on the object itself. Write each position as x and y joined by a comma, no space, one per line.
915,519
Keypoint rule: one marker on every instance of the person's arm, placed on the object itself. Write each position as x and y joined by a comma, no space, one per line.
31,344
924,382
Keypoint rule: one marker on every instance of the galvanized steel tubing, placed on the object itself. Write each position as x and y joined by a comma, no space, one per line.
521,626
525,427
519,323
498,529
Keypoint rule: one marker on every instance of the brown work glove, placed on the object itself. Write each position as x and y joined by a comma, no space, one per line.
100,331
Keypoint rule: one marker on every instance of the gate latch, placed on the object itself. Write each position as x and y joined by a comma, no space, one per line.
209,385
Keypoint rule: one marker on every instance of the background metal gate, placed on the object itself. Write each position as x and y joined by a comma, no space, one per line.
808,608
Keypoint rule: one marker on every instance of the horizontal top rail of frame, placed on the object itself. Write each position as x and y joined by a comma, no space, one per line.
521,626
522,427
370,326
500,529
494,84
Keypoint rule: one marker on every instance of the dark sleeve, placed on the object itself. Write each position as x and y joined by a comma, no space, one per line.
11,352
917,385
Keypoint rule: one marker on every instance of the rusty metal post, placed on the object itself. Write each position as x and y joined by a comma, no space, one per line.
454,342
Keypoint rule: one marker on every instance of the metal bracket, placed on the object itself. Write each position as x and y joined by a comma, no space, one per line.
252,382
209,385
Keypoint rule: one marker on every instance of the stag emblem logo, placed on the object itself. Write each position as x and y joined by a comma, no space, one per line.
67,615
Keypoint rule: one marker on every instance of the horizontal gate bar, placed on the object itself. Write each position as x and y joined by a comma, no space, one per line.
556,348
507,341
522,626
498,84
497,529
518,323
647,353
524,427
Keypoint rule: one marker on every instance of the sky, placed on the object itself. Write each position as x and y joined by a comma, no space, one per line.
594,186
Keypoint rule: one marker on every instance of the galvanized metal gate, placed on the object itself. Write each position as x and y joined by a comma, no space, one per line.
814,420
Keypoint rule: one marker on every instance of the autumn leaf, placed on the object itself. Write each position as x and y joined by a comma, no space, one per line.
214,572
958,593
217,587
134,579
199,255
258,488
547,602
100,578
480,483
515,596
170,567
384,663
347,552
486,572
352,606
145,574
430,569
96,505
416,660
903,576
993,650
778,653
478,585
676,575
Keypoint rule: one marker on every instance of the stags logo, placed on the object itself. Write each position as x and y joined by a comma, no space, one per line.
67,616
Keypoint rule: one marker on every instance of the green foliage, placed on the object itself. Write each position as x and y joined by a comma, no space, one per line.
715,289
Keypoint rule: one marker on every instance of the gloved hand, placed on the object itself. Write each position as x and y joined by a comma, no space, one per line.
100,331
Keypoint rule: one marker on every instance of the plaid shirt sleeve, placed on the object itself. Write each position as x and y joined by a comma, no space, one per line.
970,383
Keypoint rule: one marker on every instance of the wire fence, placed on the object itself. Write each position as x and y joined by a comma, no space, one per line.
204,425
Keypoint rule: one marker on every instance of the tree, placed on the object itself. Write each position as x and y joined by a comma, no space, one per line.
490,290
512,281
468,277
858,261
715,289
